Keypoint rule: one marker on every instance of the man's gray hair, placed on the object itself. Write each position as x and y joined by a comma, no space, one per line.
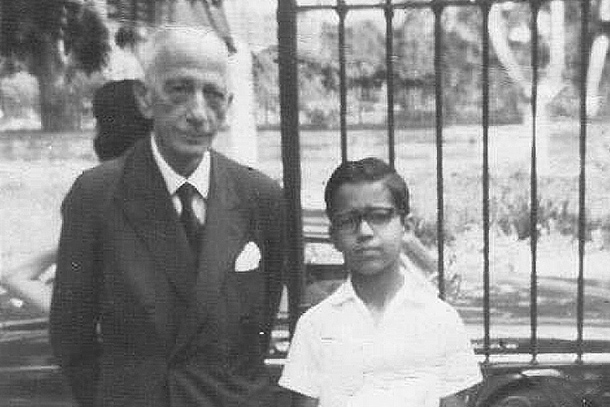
190,40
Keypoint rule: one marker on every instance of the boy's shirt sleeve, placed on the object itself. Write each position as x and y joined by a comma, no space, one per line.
301,372
461,369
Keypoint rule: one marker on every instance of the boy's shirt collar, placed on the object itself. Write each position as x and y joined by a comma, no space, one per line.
415,288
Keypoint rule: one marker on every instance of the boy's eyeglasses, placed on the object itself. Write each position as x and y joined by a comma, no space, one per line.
374,217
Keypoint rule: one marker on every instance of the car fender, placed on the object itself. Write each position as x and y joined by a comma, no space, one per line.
551,383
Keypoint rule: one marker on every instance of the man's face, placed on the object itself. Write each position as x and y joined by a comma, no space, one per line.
188,100
367,228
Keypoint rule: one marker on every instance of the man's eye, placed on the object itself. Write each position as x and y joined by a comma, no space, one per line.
212,94
179,89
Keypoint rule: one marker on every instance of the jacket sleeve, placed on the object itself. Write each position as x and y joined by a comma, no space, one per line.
74,307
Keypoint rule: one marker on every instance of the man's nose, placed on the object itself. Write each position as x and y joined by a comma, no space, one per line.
199,109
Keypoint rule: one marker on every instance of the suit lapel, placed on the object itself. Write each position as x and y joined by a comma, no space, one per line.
225,232
147,205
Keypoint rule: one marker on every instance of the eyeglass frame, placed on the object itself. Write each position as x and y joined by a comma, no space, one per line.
355,217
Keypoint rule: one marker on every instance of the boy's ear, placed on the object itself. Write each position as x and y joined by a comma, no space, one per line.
143,99
408,223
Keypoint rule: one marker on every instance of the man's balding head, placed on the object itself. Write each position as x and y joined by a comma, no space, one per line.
186,94
184,47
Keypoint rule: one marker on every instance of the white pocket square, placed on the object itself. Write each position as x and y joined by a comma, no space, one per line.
249,258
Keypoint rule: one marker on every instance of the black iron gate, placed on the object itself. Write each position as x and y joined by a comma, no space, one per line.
288,14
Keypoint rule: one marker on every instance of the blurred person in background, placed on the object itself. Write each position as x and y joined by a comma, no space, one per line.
119,124
123,62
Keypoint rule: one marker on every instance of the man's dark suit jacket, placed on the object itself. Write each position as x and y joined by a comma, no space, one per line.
134,321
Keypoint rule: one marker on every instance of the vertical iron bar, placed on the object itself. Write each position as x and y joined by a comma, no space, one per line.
291,161
152,12
172,11
584,57
534,188
389,57
133,17
437,8
486,275
342,12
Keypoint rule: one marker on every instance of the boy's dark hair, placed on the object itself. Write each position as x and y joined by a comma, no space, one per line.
368,170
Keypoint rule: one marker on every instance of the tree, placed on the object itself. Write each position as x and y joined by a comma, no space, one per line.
266,86
52,40
367,68
365,62
414,66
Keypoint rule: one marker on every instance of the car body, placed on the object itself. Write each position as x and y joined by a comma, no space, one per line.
29,376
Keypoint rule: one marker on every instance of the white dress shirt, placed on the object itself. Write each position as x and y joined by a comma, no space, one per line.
415,355
200,179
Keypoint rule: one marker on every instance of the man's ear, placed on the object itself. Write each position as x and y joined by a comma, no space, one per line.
143,99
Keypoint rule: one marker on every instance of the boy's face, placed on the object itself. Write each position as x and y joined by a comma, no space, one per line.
367,228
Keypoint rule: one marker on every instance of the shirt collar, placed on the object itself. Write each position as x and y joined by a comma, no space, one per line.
416,288
200,178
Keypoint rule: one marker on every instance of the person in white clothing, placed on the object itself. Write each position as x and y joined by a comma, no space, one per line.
383,338
123,63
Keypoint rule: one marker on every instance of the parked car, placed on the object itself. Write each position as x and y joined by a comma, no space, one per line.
29,376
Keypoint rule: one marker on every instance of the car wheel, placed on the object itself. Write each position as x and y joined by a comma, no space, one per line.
524,398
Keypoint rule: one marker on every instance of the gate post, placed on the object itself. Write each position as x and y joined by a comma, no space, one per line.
291,159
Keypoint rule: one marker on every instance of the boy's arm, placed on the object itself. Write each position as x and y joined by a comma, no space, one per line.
300,400
33,292
461,369
25,281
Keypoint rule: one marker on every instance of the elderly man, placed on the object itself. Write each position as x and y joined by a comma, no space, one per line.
170,260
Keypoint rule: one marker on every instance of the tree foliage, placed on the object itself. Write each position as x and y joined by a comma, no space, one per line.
461,57
59,40
76,31
52,40
265,77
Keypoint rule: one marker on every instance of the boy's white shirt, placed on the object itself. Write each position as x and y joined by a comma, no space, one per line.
341,358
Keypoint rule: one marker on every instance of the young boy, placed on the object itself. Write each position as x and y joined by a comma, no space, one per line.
382,339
